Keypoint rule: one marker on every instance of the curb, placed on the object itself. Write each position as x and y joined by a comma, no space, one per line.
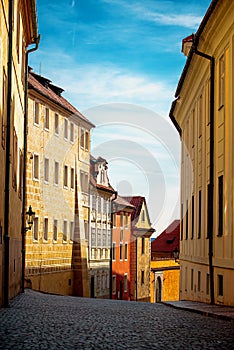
201,312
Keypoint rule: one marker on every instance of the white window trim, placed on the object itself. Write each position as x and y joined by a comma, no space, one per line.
45,240
55,240
126,289
56,184
65,123
65,241
35,178
47,181
34,113
72,141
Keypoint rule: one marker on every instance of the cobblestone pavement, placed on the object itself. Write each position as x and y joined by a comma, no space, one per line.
40,321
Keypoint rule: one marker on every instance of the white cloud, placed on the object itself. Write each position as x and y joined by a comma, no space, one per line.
94,85
161,13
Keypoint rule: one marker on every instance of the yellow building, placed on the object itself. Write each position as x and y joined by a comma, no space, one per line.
58,167
165,269
18,29
203,114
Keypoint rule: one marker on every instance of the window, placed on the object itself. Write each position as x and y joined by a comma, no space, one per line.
199,281
142,277
72,178
186,222
126,252
18,32
221,81
142,245
121,251
121,220
192,221
125,282
47,119
65,231
71,230
46,170
21,174
46,229
36,113
93,237
199,213
55,230
114,284
209,207
71,132
191,279
4,108
114,219
87,140
126,220
143,216
56,124
36,167
65,176
99,238
84,139
113,251
182,222
14,160
121,235
86,229
193,128
207,284
56,173
220,205
35,229
200,117
84,182
220,285
65,129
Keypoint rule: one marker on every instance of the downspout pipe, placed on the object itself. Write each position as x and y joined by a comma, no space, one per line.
7,160
36,42
111,243
211,186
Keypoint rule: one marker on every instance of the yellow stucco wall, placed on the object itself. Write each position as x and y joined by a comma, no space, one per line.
21,32
170,280
49,262
193,116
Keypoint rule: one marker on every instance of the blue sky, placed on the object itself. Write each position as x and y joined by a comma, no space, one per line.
119,63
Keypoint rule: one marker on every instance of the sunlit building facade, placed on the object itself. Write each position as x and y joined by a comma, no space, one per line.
203,115
18,29
57,188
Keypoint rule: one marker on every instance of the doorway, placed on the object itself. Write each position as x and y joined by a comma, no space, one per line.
158,291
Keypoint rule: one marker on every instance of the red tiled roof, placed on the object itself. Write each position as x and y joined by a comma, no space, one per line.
168,240
44,87
123,202
137,202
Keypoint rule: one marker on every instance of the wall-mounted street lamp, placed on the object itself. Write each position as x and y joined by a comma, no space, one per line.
176,253
30,214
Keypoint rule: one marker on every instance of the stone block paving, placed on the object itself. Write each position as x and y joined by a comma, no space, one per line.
40,321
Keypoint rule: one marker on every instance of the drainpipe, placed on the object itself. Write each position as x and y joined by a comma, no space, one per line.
36,42
211,186
136,268
111,242
7,161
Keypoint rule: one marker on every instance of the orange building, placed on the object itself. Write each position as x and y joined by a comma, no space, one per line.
165,271
121,239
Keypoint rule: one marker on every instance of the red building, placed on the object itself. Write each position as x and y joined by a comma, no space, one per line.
121,238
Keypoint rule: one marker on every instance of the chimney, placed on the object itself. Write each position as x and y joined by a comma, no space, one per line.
187,44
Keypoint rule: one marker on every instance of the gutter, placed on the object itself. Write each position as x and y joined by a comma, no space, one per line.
211,185
36,42
6,236
111,242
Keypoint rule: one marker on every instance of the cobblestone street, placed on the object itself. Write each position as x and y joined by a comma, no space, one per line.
40,321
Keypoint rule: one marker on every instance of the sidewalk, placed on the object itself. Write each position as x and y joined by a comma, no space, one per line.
217,311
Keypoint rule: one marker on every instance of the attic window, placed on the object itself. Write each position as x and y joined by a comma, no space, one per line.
171,240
